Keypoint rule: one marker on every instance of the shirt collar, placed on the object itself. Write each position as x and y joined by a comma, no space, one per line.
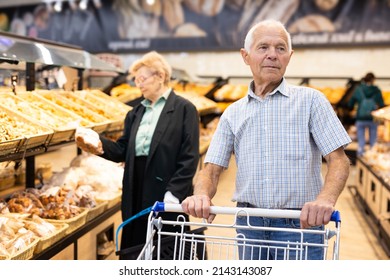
164,96
282,89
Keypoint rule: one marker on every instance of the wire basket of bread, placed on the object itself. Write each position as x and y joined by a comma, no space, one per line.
99,122
63,130
16,241
108,103
16,126
47,232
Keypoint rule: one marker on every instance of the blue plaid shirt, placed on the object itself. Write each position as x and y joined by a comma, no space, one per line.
278,143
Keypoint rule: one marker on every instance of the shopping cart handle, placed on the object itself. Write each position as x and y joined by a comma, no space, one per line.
336,217
274,213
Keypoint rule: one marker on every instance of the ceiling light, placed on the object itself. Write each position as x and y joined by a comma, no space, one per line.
83,4
58,6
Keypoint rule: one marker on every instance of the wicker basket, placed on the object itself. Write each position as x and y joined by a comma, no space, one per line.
99,122
47,241
73,223
96,211
11,146
45,118
111,202
7,182
54,108
25,254
32,140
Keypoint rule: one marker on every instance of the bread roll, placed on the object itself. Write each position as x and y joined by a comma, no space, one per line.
189,30
312,23
207,8
173,13
326,5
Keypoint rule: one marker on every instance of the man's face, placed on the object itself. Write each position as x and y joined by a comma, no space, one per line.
269,55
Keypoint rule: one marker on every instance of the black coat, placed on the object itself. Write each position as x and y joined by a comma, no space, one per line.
173,156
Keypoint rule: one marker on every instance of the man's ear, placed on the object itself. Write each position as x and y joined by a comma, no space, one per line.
244,55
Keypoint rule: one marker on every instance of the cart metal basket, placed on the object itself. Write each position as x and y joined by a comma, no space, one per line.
193,246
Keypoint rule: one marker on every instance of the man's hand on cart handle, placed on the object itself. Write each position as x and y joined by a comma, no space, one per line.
316,213
198,206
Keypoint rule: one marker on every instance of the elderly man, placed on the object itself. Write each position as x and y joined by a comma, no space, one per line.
278,134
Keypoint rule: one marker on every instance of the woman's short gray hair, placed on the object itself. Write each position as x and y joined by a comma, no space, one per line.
154,61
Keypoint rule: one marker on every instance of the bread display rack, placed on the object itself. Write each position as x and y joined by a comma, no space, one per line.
26,53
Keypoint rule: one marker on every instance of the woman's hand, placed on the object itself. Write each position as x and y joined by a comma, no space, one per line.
88,141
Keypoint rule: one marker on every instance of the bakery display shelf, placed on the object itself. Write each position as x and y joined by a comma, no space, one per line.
27,253
97,122
379,222
72,238
111,201
61,131
54,109
24,254
96,211
10,147
23,52
104,102
95,107
37,135
376,172
74,222
47,241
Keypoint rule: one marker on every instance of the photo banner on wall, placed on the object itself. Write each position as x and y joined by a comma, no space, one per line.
128,26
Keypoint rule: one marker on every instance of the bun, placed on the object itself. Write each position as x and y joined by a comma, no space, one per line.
173,13
189,30
207,8
312,23
326,5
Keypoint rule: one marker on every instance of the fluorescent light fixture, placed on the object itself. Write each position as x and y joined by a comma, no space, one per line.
58,6
83,4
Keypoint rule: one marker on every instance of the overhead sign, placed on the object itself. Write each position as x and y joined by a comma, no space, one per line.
127,26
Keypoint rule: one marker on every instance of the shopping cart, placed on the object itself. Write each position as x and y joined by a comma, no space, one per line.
198,245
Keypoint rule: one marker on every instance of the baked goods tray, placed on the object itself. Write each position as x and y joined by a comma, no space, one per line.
96,211
117,125
34,134
68,116
105,102
111,201
62,130
73,223
25,254
10,146
98,122
100,107
47,241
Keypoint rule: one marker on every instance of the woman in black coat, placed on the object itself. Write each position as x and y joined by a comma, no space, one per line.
159,145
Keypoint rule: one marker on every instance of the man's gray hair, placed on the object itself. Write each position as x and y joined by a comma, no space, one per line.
266,23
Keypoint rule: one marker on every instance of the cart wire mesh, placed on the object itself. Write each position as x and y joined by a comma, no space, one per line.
219,241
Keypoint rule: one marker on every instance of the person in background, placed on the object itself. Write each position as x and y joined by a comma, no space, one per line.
368,97
279,134
159,145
